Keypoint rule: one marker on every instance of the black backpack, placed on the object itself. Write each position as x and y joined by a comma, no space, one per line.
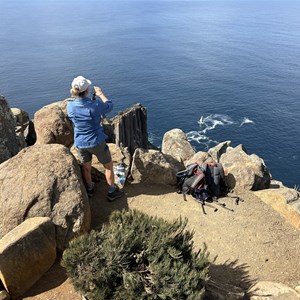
202,182
215,179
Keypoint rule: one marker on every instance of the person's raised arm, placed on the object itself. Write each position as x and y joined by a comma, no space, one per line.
108,104
100,94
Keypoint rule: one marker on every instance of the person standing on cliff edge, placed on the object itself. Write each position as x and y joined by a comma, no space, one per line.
89,137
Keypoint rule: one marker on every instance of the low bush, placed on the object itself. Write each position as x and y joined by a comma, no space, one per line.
137,256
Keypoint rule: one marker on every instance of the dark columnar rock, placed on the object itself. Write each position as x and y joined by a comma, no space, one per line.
130,128
8,140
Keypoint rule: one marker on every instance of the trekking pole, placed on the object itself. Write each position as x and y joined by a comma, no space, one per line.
203,203
237,198
208,205
215,199
224,206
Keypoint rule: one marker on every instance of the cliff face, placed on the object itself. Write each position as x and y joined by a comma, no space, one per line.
44,178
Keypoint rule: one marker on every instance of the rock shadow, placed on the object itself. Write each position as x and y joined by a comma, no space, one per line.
274,186
137,189
230,279
101,208
53,278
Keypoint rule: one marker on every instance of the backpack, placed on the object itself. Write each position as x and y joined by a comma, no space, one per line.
215,179
202,182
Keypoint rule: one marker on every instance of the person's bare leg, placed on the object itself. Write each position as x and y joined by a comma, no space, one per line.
114,192
87,172
109,173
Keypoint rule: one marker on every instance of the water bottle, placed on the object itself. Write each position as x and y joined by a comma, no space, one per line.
120,173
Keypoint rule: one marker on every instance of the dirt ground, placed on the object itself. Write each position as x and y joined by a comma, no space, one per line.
249,244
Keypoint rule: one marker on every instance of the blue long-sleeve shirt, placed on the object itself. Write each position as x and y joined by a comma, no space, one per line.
85,114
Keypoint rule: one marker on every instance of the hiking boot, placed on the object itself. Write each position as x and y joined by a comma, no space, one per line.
117,193
91,190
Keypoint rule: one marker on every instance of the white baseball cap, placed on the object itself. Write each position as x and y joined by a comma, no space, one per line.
81,83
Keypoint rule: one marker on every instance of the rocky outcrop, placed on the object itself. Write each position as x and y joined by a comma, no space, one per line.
175,144
44,181
26,253
199,158
152,166
130,128
212,155
18,115
244,172
284,200
9,145
24,128
217,151
119,154
52,124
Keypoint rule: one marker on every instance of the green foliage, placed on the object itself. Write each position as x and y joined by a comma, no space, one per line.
137,257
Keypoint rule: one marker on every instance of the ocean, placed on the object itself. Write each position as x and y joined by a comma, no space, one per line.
218,70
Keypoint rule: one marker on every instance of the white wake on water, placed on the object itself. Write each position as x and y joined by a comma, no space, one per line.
212,121
246,121
209,123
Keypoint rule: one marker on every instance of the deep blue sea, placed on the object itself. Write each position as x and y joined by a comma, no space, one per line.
234,64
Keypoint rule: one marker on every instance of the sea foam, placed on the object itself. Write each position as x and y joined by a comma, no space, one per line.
246,121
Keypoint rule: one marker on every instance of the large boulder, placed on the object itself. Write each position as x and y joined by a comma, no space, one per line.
244,172
9,145
44,181
152,166
176,144
26,253
52,124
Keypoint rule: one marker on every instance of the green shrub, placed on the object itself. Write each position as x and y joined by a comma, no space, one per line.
137,257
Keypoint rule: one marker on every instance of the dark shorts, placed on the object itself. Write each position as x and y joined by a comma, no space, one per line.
101,151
